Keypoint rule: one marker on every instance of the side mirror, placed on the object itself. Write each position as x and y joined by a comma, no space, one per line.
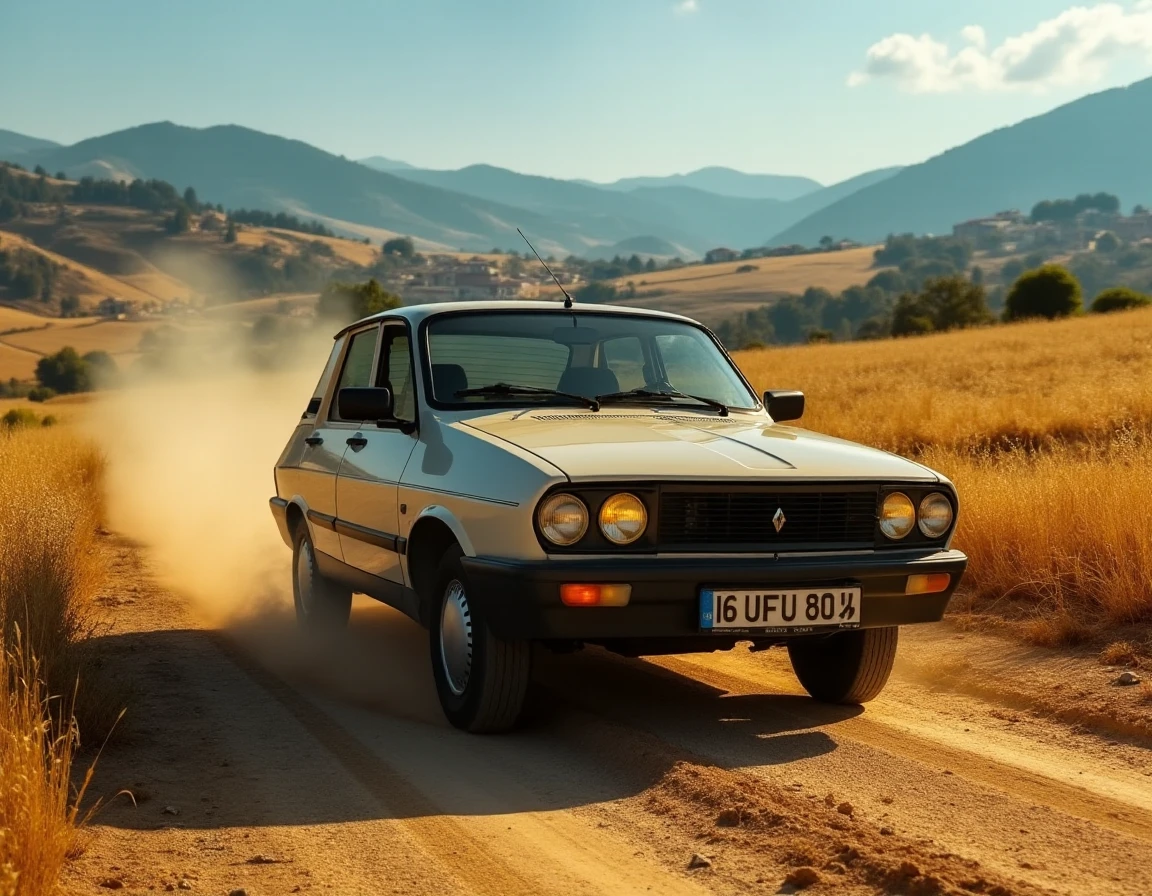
365,403
782,406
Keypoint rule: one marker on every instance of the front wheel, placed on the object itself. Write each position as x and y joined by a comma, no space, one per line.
481,680
848,667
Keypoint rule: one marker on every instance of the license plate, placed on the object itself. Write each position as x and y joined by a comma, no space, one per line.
779,610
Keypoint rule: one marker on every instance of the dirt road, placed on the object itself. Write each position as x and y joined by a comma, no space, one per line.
261,764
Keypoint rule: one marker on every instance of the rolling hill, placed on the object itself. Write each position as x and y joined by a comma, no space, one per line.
1096,143
13,144
728,182
381,163
240,167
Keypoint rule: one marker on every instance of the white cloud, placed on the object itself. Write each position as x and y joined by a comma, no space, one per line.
686,7
1075,47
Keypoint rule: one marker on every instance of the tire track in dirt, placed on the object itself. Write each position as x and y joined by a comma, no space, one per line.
1128,818
545,849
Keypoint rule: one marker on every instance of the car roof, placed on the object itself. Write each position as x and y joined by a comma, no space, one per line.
416,313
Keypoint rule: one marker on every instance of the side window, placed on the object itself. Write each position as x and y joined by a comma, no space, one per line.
396,371
358,361
625,358
325,378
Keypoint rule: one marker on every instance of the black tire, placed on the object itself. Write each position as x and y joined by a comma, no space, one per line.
485,694
322,606
848,667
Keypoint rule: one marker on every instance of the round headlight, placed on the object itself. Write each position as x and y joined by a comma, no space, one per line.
563,519
623,518
935,515
897,516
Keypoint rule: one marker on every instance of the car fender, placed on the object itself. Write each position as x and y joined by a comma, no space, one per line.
449,519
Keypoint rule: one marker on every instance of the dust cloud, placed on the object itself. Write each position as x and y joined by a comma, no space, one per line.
191,436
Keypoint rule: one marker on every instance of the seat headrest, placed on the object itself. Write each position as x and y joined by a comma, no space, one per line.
588,381
447,380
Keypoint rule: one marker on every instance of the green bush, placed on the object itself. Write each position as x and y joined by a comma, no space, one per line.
41,393
1119,298
19,417
1050,291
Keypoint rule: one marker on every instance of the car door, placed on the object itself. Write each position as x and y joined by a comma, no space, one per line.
368,485
311,460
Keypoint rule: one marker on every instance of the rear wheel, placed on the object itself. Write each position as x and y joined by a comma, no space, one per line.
848,667
481,680
322,606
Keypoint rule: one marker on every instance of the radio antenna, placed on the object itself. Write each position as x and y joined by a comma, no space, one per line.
567,298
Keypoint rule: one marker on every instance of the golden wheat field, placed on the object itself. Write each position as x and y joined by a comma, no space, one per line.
50,570
1046,429
711,292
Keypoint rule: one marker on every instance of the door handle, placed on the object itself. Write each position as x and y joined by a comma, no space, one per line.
358,441
314,440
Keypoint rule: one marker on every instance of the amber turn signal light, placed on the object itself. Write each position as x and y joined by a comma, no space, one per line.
595,595
929,584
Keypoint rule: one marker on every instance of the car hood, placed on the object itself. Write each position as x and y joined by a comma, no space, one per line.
640,444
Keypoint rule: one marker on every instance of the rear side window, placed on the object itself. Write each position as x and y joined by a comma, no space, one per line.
625,358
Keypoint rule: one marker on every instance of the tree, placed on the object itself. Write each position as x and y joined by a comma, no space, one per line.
60,175
230,234
945,303
347,302
178,222
1107,242
1119,298
597,292
1050,291
650,265
65,371
976,275
69,306
826,243
891,281
190,199
1140,210
101,367
41,170
401,245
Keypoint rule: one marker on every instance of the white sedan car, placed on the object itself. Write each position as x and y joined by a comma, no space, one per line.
519,473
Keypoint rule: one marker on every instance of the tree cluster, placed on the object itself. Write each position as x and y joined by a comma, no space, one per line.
279,220
68,371
28,275
1067,209
347,302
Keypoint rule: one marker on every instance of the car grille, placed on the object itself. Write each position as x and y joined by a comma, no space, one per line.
813,520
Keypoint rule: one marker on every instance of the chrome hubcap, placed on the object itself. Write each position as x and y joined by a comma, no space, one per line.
304,588
456,637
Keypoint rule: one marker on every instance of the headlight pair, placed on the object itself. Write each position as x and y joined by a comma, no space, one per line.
898,515
563,519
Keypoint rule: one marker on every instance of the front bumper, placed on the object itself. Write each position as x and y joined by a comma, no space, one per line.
521,599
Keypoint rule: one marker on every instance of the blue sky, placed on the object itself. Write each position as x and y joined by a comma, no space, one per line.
571,88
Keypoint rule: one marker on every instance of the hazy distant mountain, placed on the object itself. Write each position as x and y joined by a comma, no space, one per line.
1099,142
727,182
644,246
242,167
380,163
13,144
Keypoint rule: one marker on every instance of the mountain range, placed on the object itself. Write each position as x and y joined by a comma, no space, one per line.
1095,143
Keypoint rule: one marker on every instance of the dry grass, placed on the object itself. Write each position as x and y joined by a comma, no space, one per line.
50,506
1037,384
1046,429
39,811
114,336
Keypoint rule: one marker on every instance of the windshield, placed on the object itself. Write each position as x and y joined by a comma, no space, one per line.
580,354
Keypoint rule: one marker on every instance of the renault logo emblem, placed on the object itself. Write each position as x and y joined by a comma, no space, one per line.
778,519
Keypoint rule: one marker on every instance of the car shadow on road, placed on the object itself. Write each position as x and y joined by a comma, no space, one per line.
257,726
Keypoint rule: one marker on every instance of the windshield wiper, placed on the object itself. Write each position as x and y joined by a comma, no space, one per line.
650,394
507,389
